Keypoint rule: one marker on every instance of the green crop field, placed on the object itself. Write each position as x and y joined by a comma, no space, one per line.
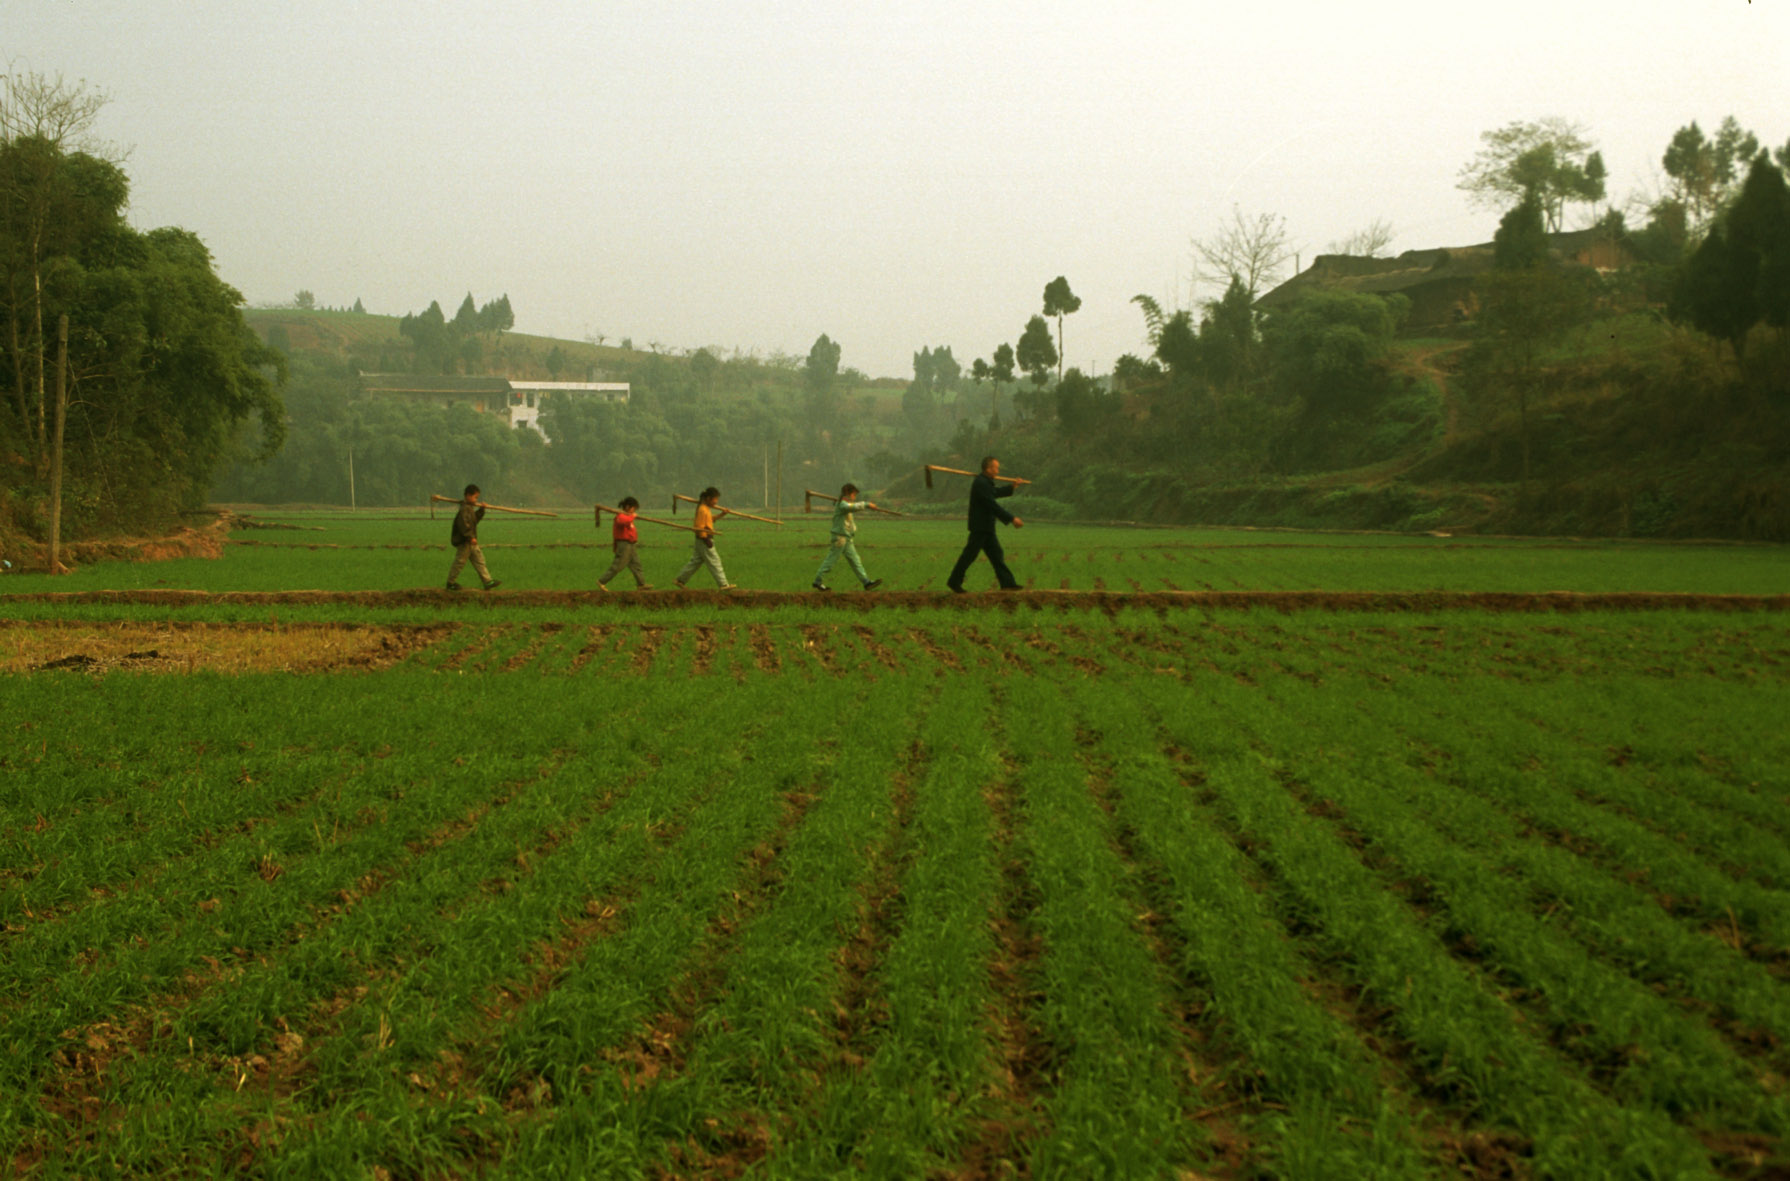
389,550
539,883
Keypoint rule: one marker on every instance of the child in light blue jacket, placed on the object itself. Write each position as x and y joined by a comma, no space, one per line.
845,529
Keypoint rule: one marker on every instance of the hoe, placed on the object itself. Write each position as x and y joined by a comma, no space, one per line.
527,512
732,512
809,494
603,508
957,471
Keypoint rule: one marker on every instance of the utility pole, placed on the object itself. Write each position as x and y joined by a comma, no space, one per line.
779,479
351,480
56,447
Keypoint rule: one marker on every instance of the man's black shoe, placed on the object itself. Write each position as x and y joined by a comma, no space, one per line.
954,588
873,584
453,586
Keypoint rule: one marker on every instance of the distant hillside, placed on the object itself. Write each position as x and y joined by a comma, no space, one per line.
1636,428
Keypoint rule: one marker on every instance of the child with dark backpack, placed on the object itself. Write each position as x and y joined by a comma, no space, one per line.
844,544
625,538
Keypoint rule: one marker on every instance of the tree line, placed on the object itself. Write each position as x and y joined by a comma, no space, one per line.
1229,391
158,370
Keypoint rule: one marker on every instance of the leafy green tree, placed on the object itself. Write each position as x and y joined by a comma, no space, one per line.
1131,371
496,316
1059,301
556,361
1227,338
304,301
947,371
1525,306
1550,159
820,378
1662,240
1002,365
1001,368
919,402
1522,239
466,320
162,373
1704,171
704,367
1330,349
1036,353
1740,276
1081,404
434,342
979,373
57,200
1153,317
1178,346
822,368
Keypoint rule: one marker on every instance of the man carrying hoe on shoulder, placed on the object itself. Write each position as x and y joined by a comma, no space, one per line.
985,510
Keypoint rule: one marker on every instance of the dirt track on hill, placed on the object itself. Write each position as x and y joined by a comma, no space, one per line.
1107,601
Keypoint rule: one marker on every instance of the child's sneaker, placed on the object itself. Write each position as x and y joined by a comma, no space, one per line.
493,584
819,585
453,586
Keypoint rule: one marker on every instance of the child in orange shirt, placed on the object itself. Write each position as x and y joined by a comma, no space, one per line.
704,552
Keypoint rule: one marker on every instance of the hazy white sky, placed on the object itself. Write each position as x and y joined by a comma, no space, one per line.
747,174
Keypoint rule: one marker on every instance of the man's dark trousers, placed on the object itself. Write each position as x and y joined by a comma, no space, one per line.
983,543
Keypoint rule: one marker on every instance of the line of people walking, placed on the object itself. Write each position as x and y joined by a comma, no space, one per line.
985,511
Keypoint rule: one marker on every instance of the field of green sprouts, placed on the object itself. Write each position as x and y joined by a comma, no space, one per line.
997,887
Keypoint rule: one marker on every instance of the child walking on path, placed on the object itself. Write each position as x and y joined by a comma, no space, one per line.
703,552
625,539
844,544
465,540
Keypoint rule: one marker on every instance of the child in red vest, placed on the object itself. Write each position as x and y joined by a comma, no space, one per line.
625,539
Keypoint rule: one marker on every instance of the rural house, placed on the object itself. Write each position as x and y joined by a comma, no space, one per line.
1438,282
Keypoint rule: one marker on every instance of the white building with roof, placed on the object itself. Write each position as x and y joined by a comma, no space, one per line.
518,403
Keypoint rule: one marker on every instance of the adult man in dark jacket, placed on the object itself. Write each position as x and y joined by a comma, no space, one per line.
985,510
465,540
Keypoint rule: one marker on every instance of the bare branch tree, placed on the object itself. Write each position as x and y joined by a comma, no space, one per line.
1253,249
1367,242
39,106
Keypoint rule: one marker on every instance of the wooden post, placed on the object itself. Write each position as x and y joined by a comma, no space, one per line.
779,479
56,447
351,484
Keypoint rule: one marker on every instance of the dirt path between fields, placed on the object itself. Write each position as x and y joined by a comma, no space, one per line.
1039,599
